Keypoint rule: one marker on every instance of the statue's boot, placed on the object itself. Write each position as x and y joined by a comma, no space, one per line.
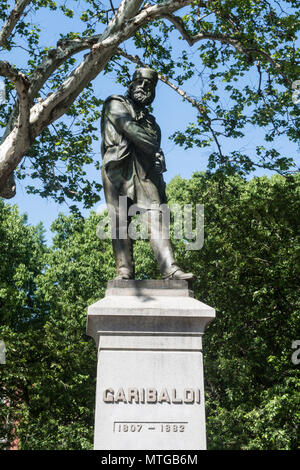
181,275
123,252
162,248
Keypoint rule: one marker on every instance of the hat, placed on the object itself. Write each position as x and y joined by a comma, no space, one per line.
146,73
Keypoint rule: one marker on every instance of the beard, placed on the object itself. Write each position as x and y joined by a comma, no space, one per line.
141,97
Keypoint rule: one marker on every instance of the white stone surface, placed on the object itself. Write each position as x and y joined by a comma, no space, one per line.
149,344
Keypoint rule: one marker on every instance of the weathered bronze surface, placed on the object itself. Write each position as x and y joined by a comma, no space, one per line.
133,163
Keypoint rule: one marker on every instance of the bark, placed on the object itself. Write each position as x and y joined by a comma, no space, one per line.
11,149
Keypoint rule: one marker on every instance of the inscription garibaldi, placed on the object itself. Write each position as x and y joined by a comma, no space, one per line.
132,166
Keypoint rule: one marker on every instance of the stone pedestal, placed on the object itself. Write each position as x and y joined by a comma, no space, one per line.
150,392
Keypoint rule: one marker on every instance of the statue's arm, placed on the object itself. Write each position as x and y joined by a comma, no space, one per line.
117,113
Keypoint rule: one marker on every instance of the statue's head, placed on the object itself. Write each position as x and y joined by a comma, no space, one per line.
142,88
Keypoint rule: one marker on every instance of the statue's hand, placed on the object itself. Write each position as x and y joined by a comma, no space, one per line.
158,166
159,162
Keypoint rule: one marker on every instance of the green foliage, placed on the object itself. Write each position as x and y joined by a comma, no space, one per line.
248,269
22,249
49,376
245,82
22,312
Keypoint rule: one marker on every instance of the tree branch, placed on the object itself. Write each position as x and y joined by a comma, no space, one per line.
127,10
249,52
112,6
12,20
12,148
21,83
191,40
65,49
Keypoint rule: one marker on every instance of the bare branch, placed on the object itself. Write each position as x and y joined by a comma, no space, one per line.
12,20
112,6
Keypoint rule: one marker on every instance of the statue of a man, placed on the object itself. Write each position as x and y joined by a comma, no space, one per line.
133,163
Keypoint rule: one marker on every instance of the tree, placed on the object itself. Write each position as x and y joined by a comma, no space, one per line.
48,381
248,269
22,314
230,40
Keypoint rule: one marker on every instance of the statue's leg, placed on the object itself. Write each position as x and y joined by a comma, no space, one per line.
121,243
123,249
162,248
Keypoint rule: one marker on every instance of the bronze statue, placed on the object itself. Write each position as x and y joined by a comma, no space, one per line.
133,163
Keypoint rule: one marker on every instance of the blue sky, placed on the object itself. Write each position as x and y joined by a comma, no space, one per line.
169,109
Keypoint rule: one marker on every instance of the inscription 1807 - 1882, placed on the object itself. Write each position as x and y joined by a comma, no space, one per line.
146,426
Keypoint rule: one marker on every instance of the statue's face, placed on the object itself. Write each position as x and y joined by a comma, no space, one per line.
142,91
